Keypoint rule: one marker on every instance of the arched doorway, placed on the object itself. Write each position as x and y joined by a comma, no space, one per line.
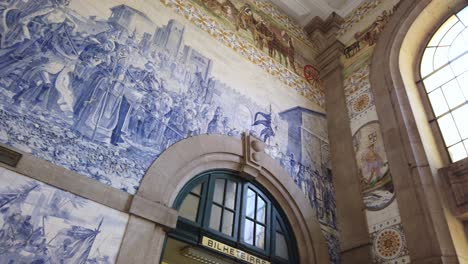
224,218
155,218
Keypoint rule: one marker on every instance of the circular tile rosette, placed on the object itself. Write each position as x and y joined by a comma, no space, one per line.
388,244
361,103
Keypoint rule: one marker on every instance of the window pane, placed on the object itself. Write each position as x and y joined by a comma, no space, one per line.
465,142
278,226
465,36
457,152
248,232
189,207
459,45
463,16
231,190
463,81
197,189
453,94
426,63
281,248
260,236
438,78
250,204
449,130
452,34
460,65
442,30
215,218
441,57
261,209
461,120
438,102
219,191
228,222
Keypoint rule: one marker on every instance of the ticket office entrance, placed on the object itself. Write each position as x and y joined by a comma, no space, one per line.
226,219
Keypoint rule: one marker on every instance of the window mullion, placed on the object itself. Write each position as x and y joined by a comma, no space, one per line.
221,221
443,66
260,220
448,112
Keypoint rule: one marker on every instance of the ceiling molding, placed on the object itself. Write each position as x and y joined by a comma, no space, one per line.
317,23
305,11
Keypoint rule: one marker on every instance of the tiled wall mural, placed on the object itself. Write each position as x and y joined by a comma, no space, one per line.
285,21
357,15
387,235
263,51
262,25
104,87
41,224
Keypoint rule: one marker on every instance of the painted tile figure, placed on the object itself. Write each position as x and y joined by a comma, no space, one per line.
41,224
266,34
373,167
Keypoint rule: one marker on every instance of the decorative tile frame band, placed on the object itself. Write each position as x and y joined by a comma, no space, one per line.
289,24
357,14
311,91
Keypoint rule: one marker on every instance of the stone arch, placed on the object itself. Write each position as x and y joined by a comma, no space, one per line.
192,156
412,157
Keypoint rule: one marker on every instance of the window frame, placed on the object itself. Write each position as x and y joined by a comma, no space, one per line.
432,118
191,232
209,205
285,230
267,224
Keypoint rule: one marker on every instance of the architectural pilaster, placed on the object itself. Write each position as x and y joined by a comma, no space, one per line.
354,236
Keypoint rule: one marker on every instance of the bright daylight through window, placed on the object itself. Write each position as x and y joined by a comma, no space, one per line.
444,69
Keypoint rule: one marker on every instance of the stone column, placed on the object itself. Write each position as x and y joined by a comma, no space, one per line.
146,232
137,240
354,236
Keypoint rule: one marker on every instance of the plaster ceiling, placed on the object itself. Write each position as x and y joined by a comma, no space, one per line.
302,11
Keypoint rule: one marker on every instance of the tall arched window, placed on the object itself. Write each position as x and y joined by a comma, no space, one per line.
444,72
222,207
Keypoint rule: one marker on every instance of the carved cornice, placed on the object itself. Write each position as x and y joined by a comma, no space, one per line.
332,22
329,58
324,34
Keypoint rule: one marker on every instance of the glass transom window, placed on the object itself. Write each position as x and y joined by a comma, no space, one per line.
444,72
224,207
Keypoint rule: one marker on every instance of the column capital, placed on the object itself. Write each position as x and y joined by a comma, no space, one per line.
331,24
329,58
324,32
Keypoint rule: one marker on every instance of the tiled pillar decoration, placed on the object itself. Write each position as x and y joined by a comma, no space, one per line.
383,216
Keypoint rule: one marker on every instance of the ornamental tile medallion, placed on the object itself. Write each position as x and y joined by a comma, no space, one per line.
389,246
